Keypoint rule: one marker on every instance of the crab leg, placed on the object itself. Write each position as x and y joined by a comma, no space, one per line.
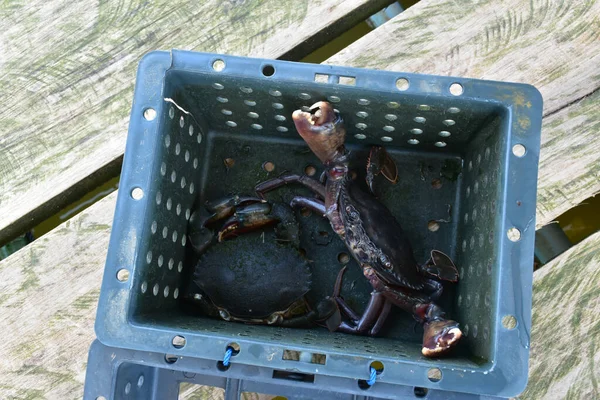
314,205
283,180
246,219
378,310
440,333
381,319
369,318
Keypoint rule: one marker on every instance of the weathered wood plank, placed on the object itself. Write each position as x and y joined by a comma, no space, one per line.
569,158
551,44
67,73
565,337
48,297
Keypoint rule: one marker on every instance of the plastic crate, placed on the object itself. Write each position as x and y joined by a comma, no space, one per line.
467,152
115,374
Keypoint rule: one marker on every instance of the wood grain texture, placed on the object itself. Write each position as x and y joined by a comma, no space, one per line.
569,158
565,337
551,44
67,72
48,298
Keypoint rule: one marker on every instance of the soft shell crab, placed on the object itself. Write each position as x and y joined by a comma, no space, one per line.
372,234
254,278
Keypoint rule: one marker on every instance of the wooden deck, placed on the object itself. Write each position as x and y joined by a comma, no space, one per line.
69,68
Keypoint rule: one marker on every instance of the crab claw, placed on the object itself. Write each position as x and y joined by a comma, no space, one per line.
439,337
322,129
380,161
246,219
226,206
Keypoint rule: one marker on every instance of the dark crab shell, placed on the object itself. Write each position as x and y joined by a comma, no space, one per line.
252,276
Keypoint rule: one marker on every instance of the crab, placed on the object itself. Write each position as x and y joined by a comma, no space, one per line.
254,278
372,234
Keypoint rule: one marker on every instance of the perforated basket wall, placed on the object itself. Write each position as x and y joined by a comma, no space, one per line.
120,374
467,152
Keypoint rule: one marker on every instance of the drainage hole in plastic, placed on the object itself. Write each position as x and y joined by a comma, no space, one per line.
456,89
434,374
268,166
218,65
433,226
310,170
420,391
402,84
140,381
171,358
509,322
100,398
178,342
229,163
514,235
128,388
343,258
137,193
122,275
519,150
268,70
149,114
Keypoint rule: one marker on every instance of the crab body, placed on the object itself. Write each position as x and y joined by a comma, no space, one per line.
372,234
257,277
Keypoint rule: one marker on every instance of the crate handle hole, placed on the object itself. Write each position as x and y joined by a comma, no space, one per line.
100,398
402,84
420,391
456,89
268,70
218,65
304,356
122,275
509,322
434,374
347,80
149,114
519,150
321,78
171,358
178,342
137,193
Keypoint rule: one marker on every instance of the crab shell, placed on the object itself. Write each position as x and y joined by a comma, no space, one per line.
253,278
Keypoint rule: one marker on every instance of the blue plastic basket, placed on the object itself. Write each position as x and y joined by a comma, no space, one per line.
120,374
478,139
